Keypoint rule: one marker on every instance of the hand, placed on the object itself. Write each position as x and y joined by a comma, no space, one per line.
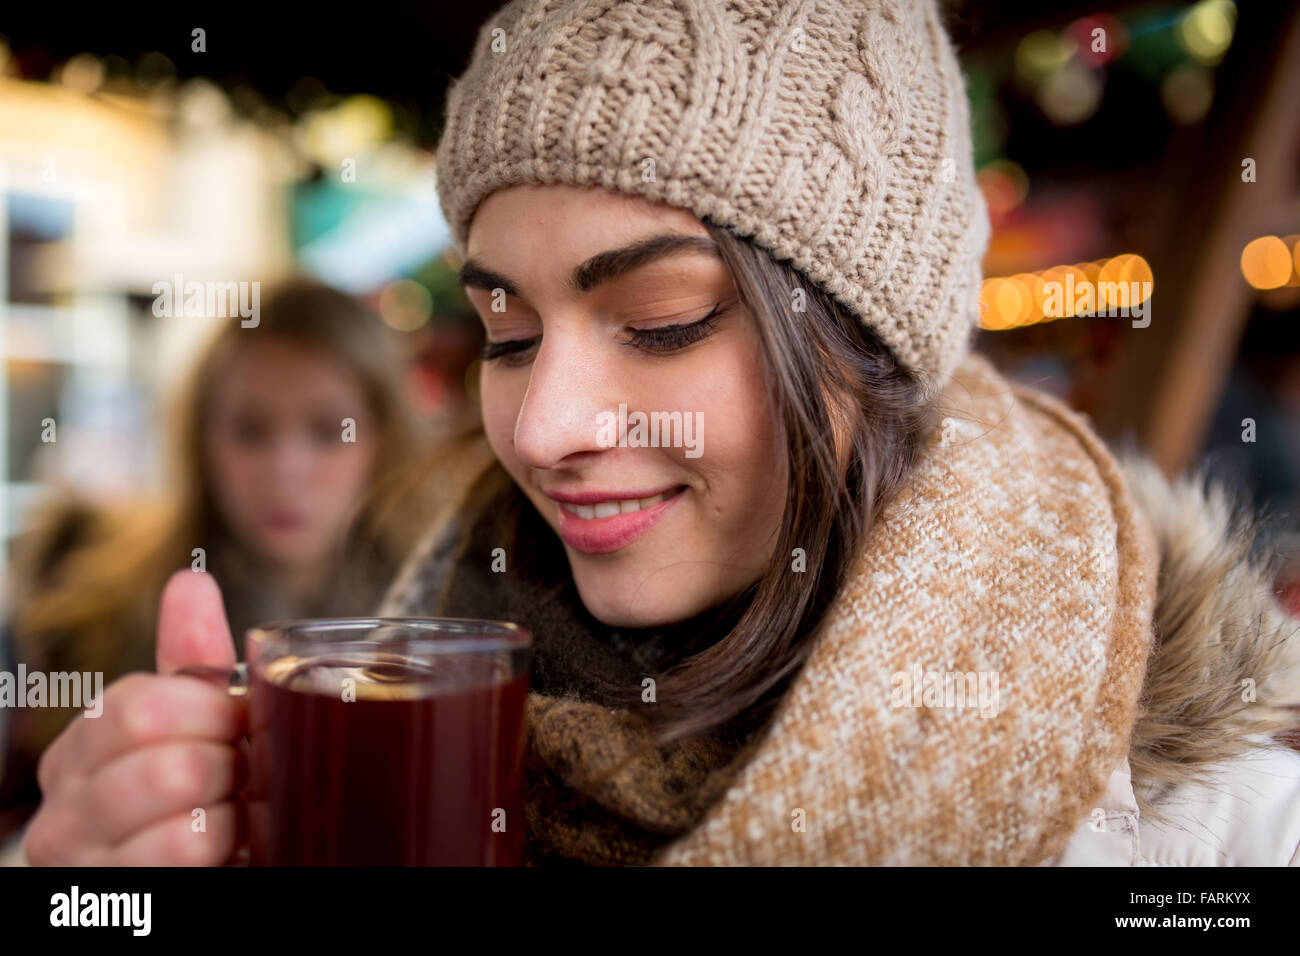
121,789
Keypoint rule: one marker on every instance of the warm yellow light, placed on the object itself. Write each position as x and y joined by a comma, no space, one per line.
1041,54
1073,280
1292,242
364,119
1005,303
1123,281
1139,271
1205,31
1266,262
1091,270
1124,276
1110,293
1044,290
990,314
1023,284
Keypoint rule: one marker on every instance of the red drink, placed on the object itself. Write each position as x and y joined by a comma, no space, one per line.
423,765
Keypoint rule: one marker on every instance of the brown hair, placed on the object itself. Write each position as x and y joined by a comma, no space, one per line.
853,420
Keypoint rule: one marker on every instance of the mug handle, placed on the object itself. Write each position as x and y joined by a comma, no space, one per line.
233,679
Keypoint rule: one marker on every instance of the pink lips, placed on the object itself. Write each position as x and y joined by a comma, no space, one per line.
285,521
605,535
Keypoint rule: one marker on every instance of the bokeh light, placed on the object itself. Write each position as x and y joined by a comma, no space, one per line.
1004,184
1029,298
405,305
1040,54
1070,95
1266,262
83,72
1205,31
1187,92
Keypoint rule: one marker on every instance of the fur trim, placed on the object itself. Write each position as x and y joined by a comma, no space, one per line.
1220,632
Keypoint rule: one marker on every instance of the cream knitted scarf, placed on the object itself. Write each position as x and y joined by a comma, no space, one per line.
1014,566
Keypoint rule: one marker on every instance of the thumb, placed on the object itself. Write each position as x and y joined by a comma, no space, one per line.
192,626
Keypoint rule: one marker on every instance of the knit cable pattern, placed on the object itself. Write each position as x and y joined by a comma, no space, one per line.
835,133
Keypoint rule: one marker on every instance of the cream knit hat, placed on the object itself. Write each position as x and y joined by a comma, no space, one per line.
835,134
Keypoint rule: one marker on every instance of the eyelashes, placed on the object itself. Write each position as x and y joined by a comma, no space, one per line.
662,340
671,338
511,347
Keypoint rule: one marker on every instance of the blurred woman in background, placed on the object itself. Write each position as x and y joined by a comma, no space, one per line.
294,457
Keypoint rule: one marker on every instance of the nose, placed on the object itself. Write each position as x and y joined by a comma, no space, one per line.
567,390
290,460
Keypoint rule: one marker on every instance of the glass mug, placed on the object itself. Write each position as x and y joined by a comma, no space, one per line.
383,741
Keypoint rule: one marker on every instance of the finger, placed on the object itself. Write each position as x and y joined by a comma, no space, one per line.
51,766
178,841
56,836
192,625
139,710
66,751
155,783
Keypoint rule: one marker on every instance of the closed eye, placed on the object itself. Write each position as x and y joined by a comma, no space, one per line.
671,338
664,339
510,347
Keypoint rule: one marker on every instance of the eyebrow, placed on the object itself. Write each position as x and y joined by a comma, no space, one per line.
602,267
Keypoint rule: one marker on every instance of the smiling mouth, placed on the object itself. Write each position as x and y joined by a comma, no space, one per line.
608,509
608,526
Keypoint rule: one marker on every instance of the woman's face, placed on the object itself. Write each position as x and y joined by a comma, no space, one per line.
590,326
286,480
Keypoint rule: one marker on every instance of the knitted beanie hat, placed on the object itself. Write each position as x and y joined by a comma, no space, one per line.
834,134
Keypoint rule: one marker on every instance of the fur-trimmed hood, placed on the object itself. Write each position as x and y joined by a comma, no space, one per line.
1225,667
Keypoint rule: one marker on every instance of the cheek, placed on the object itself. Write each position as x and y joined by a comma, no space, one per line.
740,435
347,472
234,473
744,459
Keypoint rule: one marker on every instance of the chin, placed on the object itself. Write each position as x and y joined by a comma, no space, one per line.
623,600
276,553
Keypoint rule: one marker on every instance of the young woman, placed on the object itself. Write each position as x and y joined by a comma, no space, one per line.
879,606
264,492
